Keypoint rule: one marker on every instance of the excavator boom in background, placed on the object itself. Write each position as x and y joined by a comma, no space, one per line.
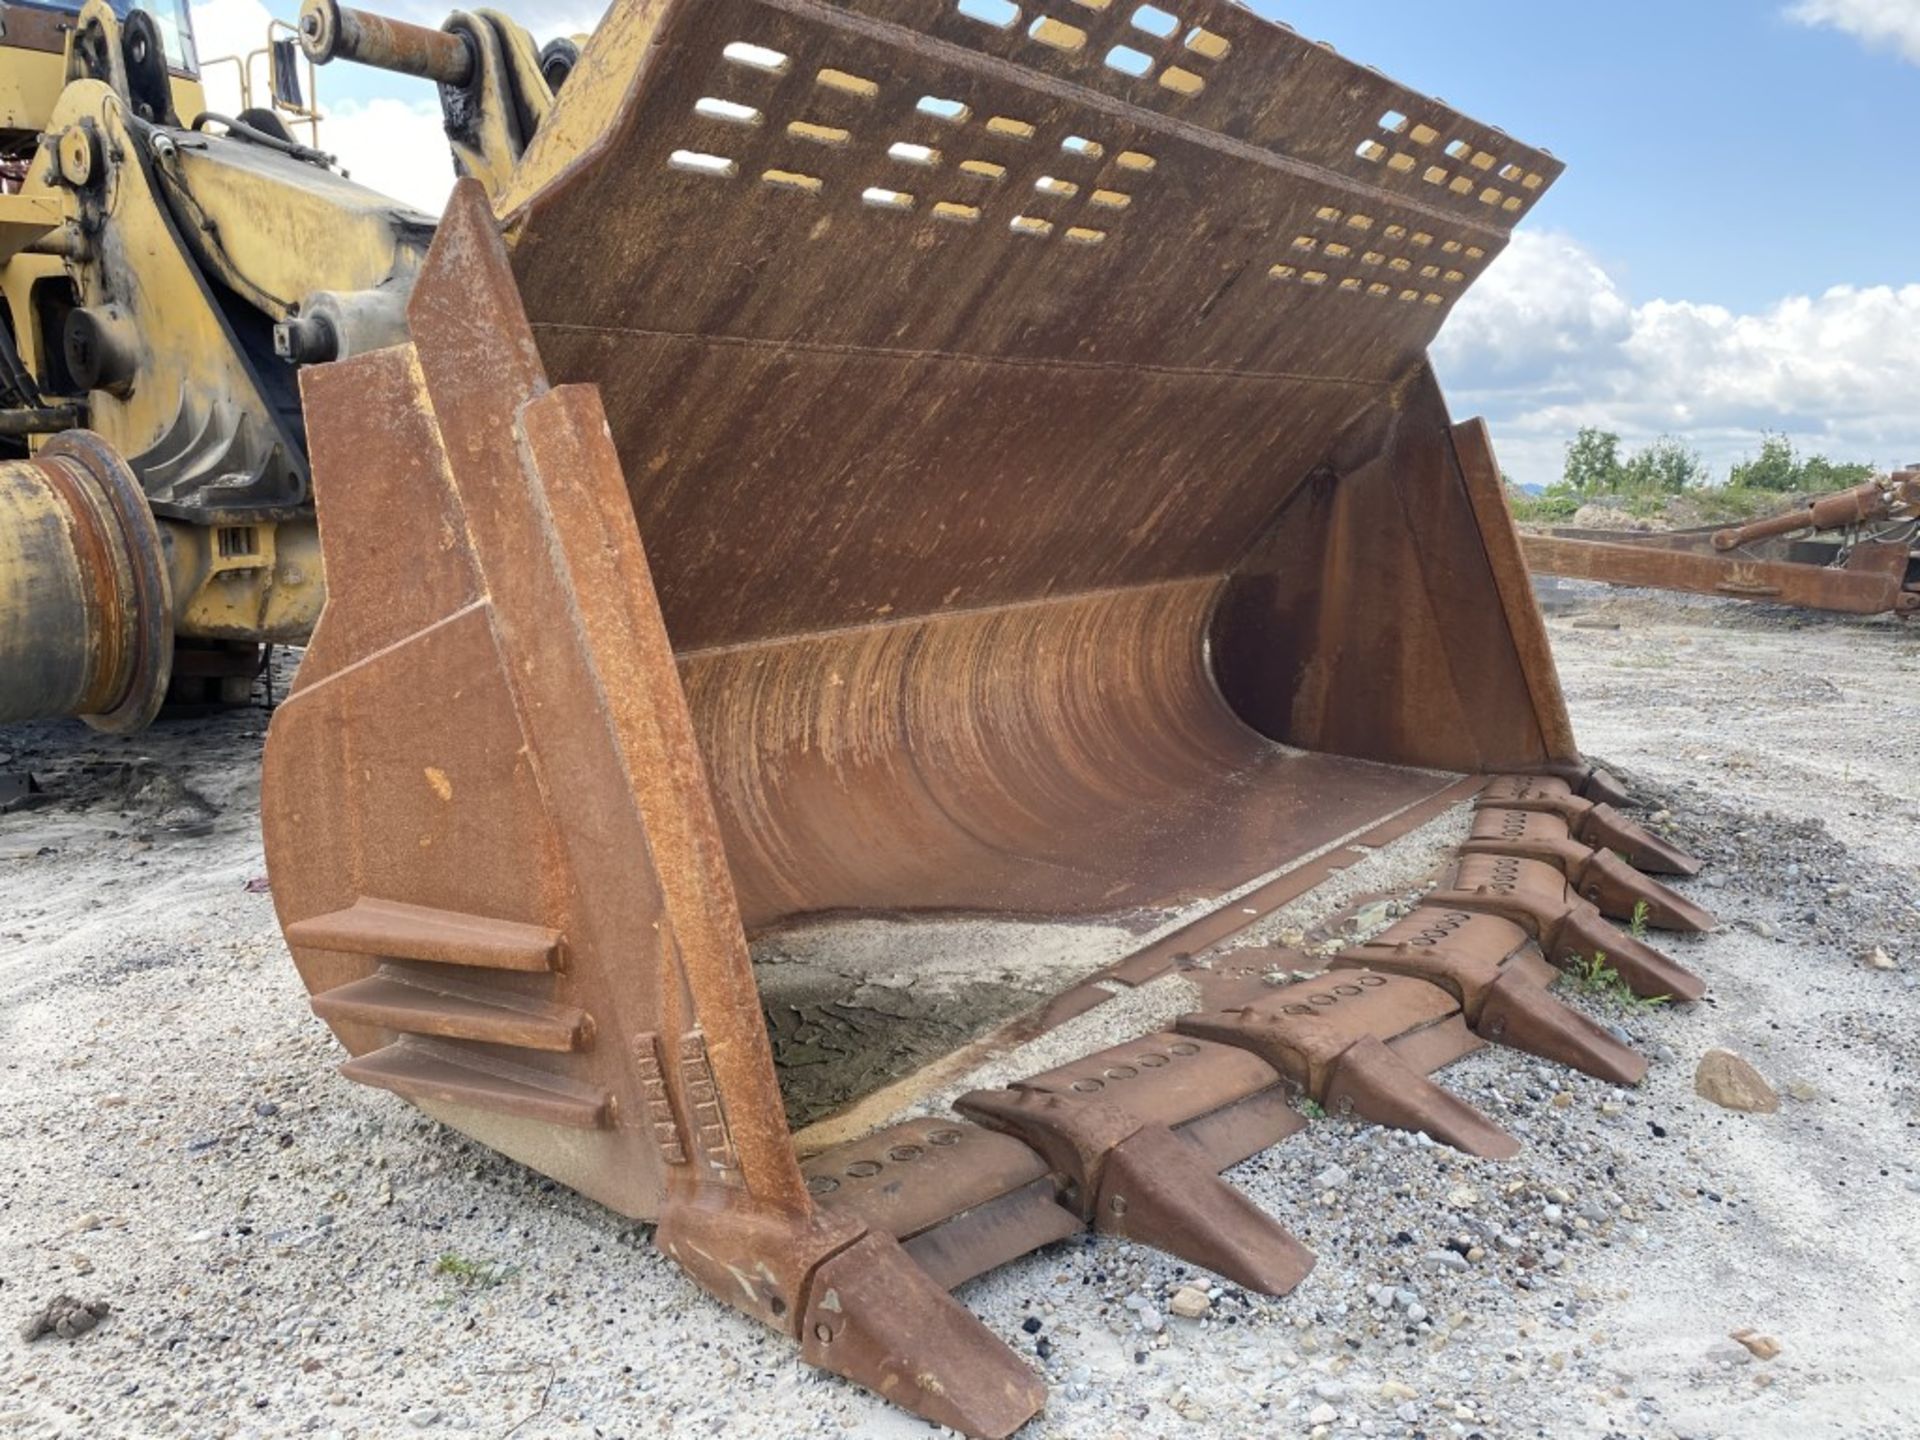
1855,552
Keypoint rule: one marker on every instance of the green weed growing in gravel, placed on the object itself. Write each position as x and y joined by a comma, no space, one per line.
473,1274
1637,927
1593,976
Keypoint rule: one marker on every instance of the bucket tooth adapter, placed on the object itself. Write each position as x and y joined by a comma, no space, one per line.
1602,877
1597,824
862,464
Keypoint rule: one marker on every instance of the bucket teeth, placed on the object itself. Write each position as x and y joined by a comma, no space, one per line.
1496,971
1598,824
1143,1182
1376,1084
1600,876
1525,1017
874,1317
1156,1188
1619,890
1332,1037
1585,934
1568,928
1606,828
1601,788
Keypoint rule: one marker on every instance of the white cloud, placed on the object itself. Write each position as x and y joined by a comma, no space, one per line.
394,146
1882,24
1549,342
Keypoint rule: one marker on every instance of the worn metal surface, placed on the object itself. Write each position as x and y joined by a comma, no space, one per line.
86,610
330,31
963,565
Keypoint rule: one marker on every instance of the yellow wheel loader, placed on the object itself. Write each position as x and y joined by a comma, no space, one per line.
846,464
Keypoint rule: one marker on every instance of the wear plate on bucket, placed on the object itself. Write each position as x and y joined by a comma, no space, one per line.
884,464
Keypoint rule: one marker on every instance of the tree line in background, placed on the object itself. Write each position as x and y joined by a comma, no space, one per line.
1645,482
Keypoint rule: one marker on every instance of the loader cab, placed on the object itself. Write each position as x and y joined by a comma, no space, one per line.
33,66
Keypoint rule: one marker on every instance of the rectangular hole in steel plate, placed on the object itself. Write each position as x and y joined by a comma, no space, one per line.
881,198
1080,145
908,153
1180,81
792,180
1085,235
1394,121
1155,21
1030,225
1057,34
1000,14
1048,185
1371,150
985,169
956,212
818,134
1010,128
1128,61
1135,160
756,57
713,108
1207,45
848,84
951,111
696,162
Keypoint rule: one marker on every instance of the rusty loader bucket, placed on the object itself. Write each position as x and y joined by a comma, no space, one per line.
880,466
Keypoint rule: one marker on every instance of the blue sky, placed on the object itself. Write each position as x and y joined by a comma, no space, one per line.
1730,252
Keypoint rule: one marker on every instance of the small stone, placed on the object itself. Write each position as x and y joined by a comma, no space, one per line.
1331,1178
65,1317
1332,1391
1730,1354
1396,1390
1408,1411
1189,1303
1463,1197
1152,1321
1444,1260
266,1108
1563,1101
1761,1347
1416,1314
1803,1092
1322,1415
1731,1083
1031,1324
1878,959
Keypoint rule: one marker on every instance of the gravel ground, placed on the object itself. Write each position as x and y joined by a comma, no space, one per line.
287,1254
